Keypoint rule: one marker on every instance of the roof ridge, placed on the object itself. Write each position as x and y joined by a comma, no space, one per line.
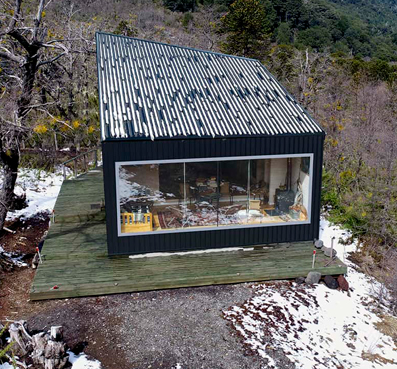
179,46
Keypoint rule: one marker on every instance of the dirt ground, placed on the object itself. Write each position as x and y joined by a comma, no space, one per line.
15,285
141,330
154,329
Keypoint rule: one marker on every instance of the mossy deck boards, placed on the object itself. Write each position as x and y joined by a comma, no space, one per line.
76,261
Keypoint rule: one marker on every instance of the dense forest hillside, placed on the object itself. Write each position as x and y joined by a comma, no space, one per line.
365,28
335,56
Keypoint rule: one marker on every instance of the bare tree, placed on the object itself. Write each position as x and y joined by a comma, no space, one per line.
24,49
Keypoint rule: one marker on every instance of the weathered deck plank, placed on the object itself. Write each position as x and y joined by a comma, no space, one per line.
75,256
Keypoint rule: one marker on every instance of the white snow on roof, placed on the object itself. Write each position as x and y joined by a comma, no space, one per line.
153,90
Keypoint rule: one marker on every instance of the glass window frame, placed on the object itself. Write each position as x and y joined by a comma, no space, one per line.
216,159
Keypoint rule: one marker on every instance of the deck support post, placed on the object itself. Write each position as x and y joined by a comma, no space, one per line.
85,163
75,168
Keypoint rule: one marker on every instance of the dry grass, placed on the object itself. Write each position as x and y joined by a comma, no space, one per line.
376,358
388,326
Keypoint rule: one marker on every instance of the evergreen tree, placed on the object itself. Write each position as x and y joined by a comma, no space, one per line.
284,34
248,25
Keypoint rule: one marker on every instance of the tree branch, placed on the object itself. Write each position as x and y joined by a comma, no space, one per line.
17,12
37,20
9,56
14,32
21,39
56,119
50,60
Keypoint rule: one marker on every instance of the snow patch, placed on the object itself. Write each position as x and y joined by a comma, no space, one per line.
6,366
41,188
157,254
314,326
16,260
81,361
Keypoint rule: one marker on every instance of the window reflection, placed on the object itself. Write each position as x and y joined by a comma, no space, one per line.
233,188
202,193
173,196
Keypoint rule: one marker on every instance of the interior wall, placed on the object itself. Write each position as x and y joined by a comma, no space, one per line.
296,172
305,180
278,172
267,171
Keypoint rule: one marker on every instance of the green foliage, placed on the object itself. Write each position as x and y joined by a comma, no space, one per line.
343,26
288,10
247,25
316,37
124,28
284,34
186,19
280,61
335,196
7,348
375,69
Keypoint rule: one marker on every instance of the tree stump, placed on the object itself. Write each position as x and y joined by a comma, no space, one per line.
45,349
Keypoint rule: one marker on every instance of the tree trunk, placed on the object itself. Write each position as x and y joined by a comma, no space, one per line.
10,162
10,154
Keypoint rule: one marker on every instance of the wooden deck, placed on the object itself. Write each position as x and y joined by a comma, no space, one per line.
76,261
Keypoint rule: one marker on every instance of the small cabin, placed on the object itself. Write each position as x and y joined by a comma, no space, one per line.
202,150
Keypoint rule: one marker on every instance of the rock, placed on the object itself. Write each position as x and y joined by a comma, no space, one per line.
327,251
331,282
313,278
343,283
300,280
318,244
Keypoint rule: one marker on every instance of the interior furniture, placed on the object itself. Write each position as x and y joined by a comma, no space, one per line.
136,222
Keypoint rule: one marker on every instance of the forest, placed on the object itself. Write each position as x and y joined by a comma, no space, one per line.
336,57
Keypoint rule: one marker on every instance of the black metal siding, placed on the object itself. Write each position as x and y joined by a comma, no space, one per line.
114,151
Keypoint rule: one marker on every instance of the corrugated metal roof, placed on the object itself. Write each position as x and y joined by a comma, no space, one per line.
153,90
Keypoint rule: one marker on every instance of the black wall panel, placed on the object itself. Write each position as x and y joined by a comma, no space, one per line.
120,150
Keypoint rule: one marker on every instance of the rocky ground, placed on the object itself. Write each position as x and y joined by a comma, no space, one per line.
161,329
207,327
273,325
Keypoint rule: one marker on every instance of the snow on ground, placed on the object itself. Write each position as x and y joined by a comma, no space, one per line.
206,251
81,361
6,366
15,258
41,190
317,327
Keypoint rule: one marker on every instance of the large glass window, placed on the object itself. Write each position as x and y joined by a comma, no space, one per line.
197,194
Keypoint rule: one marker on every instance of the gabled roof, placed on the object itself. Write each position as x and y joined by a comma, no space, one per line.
153,90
